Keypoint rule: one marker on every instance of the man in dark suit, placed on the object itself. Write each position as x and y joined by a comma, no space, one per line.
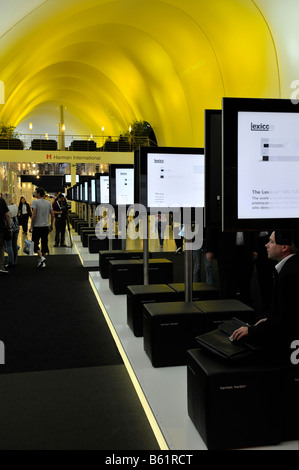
281,326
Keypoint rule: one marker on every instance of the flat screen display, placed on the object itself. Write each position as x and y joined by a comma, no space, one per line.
85,192
92,195
121,184
124,186
260,164
102,189
172,177
68,179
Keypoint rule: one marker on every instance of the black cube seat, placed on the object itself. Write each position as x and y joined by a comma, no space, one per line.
160,271
217,311
233,406
123,273
200,290
139,295
76,222
112,255
169,330
84,232
290,402
95,244
80,226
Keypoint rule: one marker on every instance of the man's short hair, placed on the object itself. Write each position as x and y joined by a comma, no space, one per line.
288,237
40,191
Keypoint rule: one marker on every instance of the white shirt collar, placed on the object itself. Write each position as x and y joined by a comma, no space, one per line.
282,262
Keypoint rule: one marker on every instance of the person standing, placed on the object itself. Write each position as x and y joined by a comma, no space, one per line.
24,214
40,226
4,219
60,212
11,246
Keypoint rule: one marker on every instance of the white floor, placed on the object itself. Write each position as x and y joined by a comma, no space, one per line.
165,389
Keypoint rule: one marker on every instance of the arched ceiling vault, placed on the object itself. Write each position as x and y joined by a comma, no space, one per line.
165,61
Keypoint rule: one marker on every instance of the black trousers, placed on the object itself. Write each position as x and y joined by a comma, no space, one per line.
60,224
40,234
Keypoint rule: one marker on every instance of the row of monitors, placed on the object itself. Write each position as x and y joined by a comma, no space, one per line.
246,177
160,177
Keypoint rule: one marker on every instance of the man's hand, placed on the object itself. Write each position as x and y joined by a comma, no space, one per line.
239,333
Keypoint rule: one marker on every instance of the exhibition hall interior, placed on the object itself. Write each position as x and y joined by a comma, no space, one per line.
164,137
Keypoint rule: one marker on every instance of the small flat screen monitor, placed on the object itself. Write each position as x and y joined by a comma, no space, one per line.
213,167
86,192
260,164
171,177
121,184
92,191
102,188
68,179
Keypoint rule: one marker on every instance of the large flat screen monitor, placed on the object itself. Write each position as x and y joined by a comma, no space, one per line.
260,164
121,184
171,177
213,168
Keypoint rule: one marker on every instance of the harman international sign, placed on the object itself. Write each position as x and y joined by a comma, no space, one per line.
60,156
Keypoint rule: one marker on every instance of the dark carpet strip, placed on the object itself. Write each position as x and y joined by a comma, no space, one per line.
63,384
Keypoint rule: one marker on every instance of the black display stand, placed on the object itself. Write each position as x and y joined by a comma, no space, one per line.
105,256
290,402
200,291
217,311
125,272
233,406
137,296
169,330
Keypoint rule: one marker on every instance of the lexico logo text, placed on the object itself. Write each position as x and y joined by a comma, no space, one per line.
260,127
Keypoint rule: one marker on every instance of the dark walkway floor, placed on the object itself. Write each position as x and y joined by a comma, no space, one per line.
63,384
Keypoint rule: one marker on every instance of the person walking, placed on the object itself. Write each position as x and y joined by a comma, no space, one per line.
40,226
11,246
24,214
4,220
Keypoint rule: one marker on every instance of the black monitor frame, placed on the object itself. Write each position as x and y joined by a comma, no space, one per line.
143,171
112,182
233,159
213,168
99,181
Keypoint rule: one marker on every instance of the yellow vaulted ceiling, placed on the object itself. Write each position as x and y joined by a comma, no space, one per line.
109,62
